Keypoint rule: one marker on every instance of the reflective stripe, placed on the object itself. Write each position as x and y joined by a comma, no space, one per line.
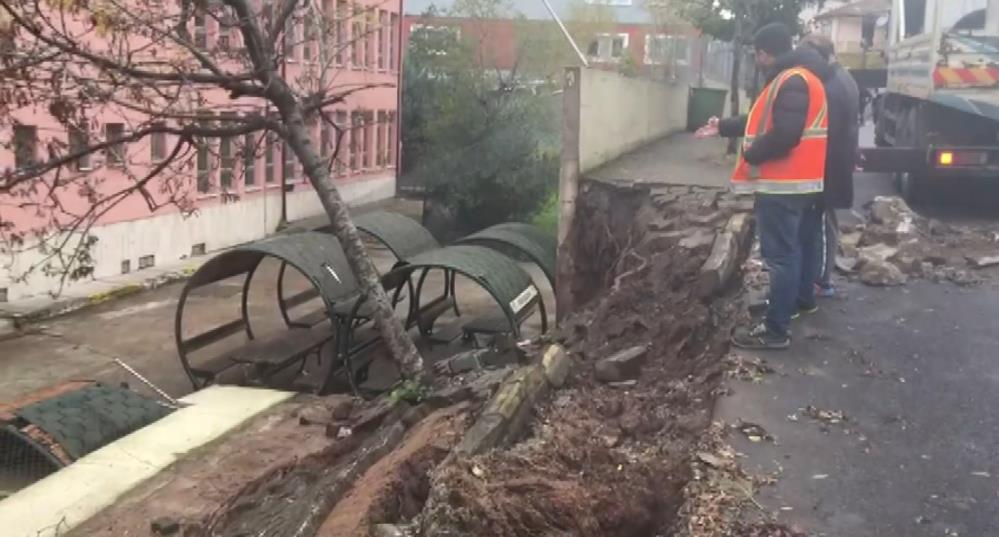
821,117
767,186
808,133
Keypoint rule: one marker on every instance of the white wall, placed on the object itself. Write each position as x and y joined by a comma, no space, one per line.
170,237
619,113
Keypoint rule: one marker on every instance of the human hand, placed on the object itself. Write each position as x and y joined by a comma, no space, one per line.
710,130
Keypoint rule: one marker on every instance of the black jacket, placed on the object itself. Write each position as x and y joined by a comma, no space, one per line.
843,96
790,110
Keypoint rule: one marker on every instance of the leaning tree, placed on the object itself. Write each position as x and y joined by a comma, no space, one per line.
150,63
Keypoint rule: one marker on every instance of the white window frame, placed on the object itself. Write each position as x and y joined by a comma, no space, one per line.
454,30
672,43
608,39
613,3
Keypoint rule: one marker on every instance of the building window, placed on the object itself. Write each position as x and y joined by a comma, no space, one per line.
289,39
288,172
157,144
341,122
340,28
382,34
78,143
269,147
391,138
608,47
359,42
249,160
200,31
356,136
665,49
393,41
25,146
367,139
227,162
203,157
115,132
381,144
309,25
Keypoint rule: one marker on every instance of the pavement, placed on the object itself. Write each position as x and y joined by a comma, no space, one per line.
914,372
679,159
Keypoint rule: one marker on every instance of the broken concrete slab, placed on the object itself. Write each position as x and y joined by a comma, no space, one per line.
880,273
720,265
983,261
625,365
698,239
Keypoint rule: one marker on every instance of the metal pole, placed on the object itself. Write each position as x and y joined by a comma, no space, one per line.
175,403
565,32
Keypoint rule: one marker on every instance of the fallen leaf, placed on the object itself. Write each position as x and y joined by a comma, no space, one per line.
478,472
819,477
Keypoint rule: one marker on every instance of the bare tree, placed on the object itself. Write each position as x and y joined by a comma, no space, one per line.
151,64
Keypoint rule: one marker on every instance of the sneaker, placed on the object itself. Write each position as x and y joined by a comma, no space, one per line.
759,338
804,311
825,292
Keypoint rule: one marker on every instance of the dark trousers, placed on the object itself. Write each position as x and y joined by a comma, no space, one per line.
830,239
790,230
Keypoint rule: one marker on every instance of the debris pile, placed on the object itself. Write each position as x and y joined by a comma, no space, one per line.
896,244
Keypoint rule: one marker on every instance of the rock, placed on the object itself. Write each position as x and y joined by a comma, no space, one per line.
891,211
388,530
165,525
698,239
846,265
557,365
984,261
450,395
740,225
720,265
850,239
881,273
877,252
342,410
705,219
624,365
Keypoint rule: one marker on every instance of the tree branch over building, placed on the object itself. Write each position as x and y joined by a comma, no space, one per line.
166,74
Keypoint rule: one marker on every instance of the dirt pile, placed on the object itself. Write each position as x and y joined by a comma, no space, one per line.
611,460
896,244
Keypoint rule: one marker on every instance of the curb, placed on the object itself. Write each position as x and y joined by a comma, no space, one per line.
728,247
508,412
11,323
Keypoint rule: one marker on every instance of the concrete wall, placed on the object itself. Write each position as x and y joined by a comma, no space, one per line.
169,237
618,114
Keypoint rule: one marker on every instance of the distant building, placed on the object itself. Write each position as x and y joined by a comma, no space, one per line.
858,29
235,199
631,39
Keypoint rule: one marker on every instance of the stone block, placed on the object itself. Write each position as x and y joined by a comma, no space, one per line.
740,225
622,366
484,434
720,266
557,365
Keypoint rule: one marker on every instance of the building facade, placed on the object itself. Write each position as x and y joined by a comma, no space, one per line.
858,29
234,196
629,36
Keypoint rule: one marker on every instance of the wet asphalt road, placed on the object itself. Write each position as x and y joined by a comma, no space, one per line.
916,372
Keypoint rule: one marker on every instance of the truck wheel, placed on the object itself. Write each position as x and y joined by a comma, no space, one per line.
914,187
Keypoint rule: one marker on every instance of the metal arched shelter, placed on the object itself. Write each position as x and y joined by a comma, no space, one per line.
529,240
317,256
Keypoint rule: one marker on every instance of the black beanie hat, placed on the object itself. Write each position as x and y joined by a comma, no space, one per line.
774,39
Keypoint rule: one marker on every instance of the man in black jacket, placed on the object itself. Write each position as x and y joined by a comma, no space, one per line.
843,97
789,223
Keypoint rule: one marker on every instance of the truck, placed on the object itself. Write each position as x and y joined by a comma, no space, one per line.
938,121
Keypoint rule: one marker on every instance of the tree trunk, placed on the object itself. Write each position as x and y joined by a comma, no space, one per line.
399,342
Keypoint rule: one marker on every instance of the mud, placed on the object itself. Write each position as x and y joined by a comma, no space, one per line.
602,460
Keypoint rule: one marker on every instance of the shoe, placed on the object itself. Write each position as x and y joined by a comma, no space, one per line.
825,292
804,311
759,338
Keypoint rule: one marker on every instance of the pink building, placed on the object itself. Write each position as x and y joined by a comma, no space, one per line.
236,198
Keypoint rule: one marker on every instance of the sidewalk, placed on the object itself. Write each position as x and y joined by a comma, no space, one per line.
679,159
21,313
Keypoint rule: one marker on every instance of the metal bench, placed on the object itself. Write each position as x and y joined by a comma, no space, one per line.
316,256
523,239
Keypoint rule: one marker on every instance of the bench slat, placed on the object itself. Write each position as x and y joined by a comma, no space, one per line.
268,354
214,335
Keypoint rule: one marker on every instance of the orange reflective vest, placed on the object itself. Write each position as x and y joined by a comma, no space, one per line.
802,170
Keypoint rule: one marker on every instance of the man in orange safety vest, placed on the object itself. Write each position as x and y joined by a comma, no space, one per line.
782,163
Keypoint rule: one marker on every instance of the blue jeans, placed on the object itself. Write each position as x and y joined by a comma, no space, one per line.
790,229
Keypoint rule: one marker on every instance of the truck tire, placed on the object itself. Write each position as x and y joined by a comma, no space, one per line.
913,186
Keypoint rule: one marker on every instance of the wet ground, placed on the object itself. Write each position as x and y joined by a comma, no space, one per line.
903,383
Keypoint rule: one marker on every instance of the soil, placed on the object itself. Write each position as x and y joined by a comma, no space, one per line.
397,486
611,461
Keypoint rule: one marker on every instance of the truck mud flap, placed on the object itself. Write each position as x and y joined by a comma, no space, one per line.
892,159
